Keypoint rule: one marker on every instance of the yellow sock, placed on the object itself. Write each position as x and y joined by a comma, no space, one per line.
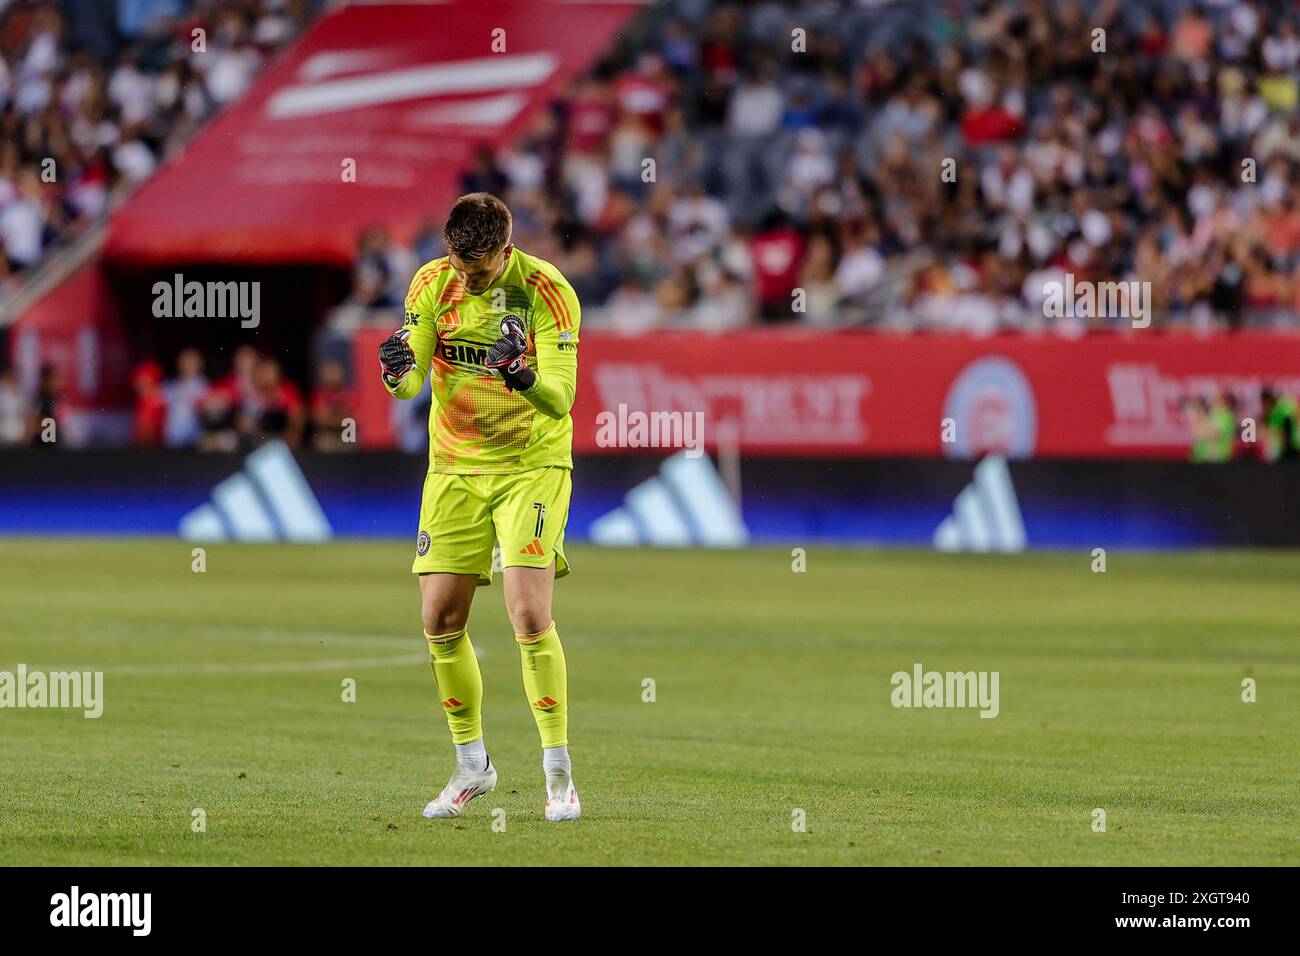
460,685
546,682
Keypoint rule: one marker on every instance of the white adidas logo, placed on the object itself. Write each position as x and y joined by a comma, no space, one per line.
686,504
986,515
269,500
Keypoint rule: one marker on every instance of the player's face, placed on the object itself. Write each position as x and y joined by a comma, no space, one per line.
476,276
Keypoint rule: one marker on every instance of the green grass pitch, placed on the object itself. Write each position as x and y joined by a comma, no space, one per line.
1120,691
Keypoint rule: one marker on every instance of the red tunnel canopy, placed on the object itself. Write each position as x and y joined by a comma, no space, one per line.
406,91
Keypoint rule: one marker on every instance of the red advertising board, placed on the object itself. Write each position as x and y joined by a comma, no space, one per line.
861,394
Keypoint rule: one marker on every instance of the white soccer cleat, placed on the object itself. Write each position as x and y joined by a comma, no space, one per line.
561,798
463,787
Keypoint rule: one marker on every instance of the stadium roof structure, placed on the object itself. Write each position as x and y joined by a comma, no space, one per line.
369,119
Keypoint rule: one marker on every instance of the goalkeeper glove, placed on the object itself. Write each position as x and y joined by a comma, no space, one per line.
506,357
396,357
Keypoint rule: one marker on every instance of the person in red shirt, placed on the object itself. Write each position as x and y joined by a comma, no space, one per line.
591,114
645,91
238,385
218,410
221,409
331,403
150,404
274,407
777,253
989,124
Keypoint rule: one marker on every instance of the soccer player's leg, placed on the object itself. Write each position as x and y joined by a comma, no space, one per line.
530,512
454,556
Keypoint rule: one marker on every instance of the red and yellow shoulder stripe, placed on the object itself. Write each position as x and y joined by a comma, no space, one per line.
427,275
550,293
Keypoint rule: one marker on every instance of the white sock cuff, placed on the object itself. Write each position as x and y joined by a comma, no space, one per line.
472,755
556,758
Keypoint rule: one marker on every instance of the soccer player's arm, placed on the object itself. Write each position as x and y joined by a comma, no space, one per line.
423,330
555,337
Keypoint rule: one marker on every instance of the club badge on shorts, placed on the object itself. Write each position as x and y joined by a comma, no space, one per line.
422,544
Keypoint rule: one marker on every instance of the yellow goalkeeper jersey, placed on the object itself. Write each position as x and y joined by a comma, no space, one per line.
476,424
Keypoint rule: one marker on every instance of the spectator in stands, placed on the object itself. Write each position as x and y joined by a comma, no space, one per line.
16,424
861,268
274,407
150,415
756,104
1061,155
85,117
135,16
483,176
218,416
777,252
808,170
643,93
591,112
382,270
723,304
238,383
633,308
817,280
222,407
184,395
1117,165
49,392
23,221
331,408
428,242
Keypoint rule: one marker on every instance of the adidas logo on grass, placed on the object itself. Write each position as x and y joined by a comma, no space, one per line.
986,515
269,500
685,504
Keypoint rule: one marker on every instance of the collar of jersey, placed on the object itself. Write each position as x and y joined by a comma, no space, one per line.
510,265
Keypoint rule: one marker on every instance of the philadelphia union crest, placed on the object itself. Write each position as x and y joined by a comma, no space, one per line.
422,544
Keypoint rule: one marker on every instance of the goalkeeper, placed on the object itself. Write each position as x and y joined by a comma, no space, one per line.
495,331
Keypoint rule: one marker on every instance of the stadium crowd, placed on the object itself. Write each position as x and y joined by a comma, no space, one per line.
729,163
95,95
1152,142
250,404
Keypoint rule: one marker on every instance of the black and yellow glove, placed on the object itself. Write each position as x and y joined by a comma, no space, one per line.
506,357
396,357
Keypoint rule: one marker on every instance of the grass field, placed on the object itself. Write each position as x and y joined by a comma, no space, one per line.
1119,691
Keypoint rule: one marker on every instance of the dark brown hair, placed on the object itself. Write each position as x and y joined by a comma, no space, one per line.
477,226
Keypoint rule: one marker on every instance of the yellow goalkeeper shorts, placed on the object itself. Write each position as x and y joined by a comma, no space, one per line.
463,516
